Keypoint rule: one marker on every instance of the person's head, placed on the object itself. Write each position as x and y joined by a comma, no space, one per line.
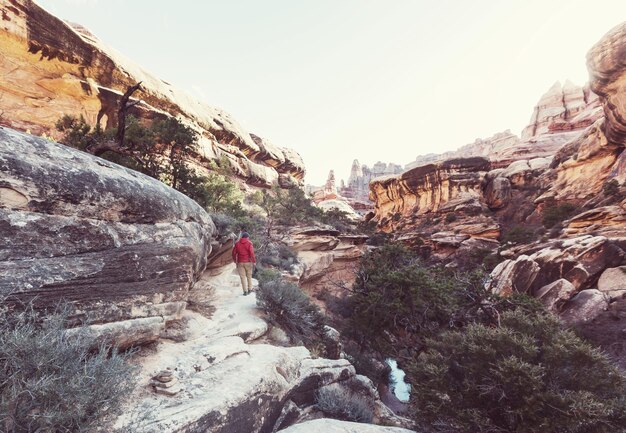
245,235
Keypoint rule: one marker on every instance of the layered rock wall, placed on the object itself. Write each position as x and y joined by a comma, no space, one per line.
49,68
584,165
123,247
426,189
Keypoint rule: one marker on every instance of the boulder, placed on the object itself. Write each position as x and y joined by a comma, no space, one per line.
580,260
584,307
120,245
613,282
326,425
514,276
554,295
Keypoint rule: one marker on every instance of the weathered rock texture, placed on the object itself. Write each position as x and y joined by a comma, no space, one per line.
357,187
230,378
351,197
585,164
336,426
328,260
123,246
49,68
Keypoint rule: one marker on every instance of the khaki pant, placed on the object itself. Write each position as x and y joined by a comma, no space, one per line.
244,270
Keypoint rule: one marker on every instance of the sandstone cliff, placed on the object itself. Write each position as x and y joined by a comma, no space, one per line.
49,68
561,114
585,164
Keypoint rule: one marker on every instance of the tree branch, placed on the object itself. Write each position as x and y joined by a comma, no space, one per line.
123,111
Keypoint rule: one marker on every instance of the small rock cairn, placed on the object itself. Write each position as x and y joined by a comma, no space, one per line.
165,383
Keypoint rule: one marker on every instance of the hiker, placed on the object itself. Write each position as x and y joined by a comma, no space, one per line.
243,256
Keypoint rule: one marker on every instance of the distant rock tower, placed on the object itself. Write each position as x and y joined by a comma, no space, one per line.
330,188
356,175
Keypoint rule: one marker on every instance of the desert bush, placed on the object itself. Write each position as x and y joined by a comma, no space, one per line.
342,404
520,235
450,218
290,308
51,381
396,294
611,189
398,301
554,214
339,220
524,375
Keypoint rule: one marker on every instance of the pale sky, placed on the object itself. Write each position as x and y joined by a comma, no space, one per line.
368,79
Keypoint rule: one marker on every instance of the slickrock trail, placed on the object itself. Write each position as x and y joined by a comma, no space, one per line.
229,380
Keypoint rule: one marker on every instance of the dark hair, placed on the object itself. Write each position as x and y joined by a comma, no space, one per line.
245,235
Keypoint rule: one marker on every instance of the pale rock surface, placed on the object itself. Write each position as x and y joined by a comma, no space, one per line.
514,276
336,426
579,260
613,282
123,247
585,306
230,379
557,109
556,294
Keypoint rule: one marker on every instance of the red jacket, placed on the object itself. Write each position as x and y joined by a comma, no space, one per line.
243,251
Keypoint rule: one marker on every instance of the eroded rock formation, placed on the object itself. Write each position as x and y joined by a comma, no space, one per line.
49,68
565,159
123,246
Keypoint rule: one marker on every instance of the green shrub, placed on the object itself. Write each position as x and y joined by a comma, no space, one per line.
611,188
338,219
395,294
290,308
53,382
520,235
526,375
398,301
554,214
342,404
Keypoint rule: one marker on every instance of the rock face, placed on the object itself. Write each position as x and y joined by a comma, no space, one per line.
426,189
573,146
124,247
360,177
330,259
352,197
336,426
49,68
562,108
597,156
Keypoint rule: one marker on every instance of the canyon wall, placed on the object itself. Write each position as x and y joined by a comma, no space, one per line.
561,114
49,68
491,207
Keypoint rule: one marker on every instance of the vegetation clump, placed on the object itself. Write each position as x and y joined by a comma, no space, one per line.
554,214
520,235
524,375
476,361
339,403
290,308
53,381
